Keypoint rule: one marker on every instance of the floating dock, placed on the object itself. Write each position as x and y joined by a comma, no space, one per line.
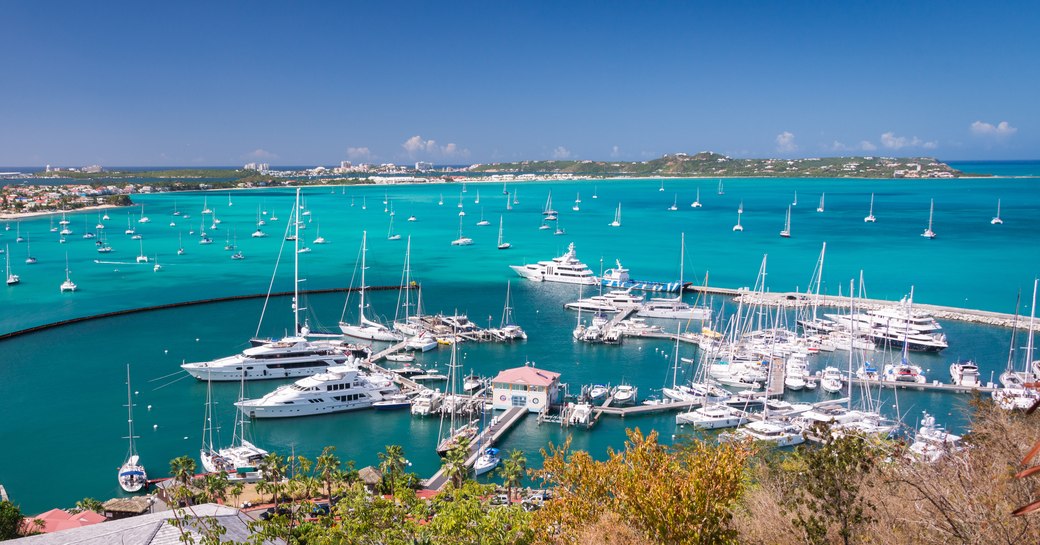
489,436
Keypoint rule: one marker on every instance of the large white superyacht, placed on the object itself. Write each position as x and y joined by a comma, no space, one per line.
566,269
338,389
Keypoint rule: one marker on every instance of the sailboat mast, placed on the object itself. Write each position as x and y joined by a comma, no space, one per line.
819,279
1029,341
361,298
130,412
296,264
852,335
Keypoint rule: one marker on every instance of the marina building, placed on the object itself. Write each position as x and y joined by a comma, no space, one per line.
526,387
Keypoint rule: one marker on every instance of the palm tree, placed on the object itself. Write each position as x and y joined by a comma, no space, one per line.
512,470
273,467
327,466
455,462
391,464
182,469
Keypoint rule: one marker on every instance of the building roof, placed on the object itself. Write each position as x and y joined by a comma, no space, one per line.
150,529
530,376
56,520
136,505
370,475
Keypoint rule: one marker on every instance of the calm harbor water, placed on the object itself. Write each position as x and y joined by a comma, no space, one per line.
63,388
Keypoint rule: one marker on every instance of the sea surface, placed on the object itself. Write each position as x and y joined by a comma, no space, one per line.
63,389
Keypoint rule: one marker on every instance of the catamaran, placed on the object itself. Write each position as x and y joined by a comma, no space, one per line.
870,215
820,208
132,476
738,226
366,328
483,222
68,284
697,202
617,217
675,204
548,212
786,233
462,240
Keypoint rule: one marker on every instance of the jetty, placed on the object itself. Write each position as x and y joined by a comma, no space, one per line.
489,436
933,386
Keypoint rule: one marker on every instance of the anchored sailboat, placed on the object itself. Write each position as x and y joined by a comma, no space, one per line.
697,202
617,217
132,476
501,244
820,208
996,220
928,233
786,233
870,216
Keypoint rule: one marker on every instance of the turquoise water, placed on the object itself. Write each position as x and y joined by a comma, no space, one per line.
65,389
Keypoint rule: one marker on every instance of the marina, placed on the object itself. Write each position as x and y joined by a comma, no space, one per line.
213,320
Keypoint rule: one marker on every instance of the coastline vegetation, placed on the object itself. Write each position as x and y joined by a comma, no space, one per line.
852,489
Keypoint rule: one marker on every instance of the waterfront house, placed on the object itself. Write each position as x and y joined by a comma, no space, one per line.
526,387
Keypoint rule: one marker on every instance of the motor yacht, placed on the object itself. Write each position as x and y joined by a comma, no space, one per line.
285,358
618,277
932,442
338,389
612,301
566,269
713,417
965,373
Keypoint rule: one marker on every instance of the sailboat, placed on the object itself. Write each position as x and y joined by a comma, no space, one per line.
740,207
456,429
390,235
697,202
205,206
928,233
320,239
661,189
29,259
505,191
820,208
461,241
483,222
595,192
365,328
175,211
13,279
721,191
180,244
131,476
516,200
364,203
996,220
675,204
18,232
738,226
617,217
477,200
674,307
141,258
549,213
577,200
502,245
240,460
795,201
509,203
144,218
786,233
440,202
870,215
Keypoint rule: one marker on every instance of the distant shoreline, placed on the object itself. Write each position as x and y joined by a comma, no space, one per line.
23,215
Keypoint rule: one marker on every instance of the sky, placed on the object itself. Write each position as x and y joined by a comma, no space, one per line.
306,83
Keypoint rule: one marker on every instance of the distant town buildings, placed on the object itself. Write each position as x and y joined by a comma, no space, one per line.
259,167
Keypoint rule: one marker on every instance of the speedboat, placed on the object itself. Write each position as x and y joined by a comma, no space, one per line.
777,433
338,389
487,461
965,373
624,395
598,393
566,269
392,402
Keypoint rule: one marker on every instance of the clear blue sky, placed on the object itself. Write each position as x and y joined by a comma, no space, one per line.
307,83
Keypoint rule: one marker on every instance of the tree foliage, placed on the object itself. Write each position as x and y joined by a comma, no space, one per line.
670,495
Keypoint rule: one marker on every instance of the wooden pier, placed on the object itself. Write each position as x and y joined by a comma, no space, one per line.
488,437
644,409
370,365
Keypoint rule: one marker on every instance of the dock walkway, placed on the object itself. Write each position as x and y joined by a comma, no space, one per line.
371,365
935,386
489,436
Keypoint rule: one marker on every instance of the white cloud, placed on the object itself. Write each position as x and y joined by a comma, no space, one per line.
893,142
359,154
785,142
615,152
561,153
416,146
864,145
260,154
981,128
867,145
